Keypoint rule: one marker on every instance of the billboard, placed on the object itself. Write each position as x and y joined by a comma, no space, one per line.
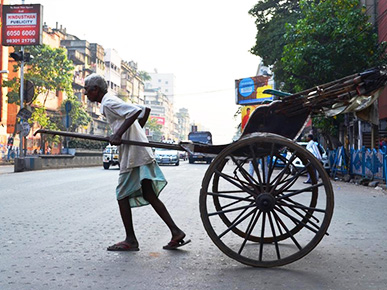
159,120
249,91
22,25
245,113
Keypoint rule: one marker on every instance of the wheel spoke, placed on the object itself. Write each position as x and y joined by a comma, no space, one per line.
230,196
287,230
237,221
249,229
301,207
231,210
244,173
279,177
274,236
232,181
271,164
256,168
307,214
296,192
295,220
262,236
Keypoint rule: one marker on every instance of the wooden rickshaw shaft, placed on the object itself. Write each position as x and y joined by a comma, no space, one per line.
106,139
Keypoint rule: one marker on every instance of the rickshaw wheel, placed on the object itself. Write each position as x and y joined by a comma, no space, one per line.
241,232
266,217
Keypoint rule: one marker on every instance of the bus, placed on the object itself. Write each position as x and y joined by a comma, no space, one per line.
204,137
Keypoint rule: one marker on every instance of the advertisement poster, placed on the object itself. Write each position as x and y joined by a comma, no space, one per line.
246,113
22,25
249,91
159,120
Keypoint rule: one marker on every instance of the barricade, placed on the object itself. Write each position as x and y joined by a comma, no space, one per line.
364,162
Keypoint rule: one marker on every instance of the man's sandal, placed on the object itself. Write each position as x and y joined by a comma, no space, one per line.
122,246
173,245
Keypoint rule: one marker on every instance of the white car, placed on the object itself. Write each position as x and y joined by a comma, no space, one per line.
166,156
110,156
325,160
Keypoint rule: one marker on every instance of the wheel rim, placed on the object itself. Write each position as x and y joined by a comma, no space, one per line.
271,218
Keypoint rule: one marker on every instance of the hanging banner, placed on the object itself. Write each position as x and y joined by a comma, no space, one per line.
22,25
248,91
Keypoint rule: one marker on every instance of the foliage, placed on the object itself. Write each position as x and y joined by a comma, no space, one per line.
271,17
40,116
334,39
328,126
78,115
155,128
87,144
144,76
50,71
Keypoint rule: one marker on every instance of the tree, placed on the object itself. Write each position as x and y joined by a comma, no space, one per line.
78,115
50,71
144,76
155,128
271,17
334,39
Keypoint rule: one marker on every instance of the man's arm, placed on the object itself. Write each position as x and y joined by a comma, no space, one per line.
143,120
115,139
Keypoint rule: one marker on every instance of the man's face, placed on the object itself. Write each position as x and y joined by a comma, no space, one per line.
91,93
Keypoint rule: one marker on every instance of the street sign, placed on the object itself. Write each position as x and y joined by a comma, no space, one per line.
68,106
24,114
25,129
22,25
29,91
66,121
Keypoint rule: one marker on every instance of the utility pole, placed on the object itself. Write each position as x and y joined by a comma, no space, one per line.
21,151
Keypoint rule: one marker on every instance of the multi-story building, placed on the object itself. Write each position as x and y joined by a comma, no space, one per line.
87,58
113,70
183,123
162,110
163,81
132,86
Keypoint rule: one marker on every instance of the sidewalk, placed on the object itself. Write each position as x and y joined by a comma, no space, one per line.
4,162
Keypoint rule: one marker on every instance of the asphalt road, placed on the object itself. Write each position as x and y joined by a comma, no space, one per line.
55,226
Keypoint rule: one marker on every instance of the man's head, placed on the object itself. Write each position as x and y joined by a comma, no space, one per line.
310,137
95,87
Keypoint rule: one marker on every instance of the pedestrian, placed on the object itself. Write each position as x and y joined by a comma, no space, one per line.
140,180
10,147
312,147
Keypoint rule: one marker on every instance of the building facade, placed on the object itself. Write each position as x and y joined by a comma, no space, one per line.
163,81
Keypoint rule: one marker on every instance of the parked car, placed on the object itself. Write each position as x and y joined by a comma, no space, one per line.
166,156
110,156
203,137
325,160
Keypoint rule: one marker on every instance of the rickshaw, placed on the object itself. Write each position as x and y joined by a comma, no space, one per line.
254,211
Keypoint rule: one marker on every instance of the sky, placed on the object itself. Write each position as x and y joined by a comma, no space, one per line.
204,43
